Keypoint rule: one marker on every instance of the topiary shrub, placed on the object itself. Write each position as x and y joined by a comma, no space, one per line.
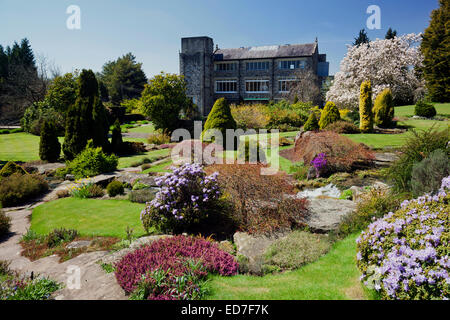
19,188
11,168
219,119
296,250
427,174
342,127
115,188
251,152
5,224
49,146
311,124
423,109
188,201
91,162
383,109
405,255
365,107
329,115
173,268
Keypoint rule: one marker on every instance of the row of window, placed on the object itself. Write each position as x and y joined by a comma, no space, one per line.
252,86
261,65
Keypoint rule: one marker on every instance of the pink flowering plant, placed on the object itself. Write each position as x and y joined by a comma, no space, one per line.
173,268
405,255
186,199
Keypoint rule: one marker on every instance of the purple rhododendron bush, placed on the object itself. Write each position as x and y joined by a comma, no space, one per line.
188,201
405,255
173,268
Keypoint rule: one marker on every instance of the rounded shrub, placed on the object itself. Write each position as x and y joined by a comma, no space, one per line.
343,127
383,109
365,107
405,255
219,119
10,168
330,114
423,109
115,188
165,263
19,188
311,124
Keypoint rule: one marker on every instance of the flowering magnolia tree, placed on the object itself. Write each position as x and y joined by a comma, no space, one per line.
405,255
388,63
186,198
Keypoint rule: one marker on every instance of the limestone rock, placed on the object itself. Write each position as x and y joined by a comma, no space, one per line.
79,244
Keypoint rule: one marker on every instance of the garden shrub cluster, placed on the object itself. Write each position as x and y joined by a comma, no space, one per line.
296,250
405,255
5,224
259,204
19,188
57,236
89,163
188,201
159,138
341,153
342,127
173,268
15,286
417,147
424,109
11,168
86,190
250,116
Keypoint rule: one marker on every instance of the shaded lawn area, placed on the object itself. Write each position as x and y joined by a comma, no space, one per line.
20,146
126,162
91,217
333,277
147,128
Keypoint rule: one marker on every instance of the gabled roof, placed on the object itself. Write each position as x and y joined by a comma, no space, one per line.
285,51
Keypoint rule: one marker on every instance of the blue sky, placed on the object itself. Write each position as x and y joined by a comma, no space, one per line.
151,29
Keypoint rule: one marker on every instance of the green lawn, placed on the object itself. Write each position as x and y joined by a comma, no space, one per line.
408,111
333,277
161,167
91,217
148,128
126,162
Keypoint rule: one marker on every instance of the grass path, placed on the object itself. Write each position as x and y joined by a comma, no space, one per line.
91,217
334,276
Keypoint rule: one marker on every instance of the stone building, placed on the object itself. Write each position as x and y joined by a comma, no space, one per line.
244,74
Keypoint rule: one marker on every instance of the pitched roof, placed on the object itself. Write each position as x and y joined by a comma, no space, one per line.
292,50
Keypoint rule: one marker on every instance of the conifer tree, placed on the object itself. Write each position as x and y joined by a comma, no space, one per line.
365,107
221,119
330,114
49,146
362,38
435,48
390,34
116,140
100,127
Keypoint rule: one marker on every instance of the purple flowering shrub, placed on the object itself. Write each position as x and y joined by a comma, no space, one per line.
173,268
405,255
319,163
186,201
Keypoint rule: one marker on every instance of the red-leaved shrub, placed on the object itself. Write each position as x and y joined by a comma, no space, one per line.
342,154
171,255
259,202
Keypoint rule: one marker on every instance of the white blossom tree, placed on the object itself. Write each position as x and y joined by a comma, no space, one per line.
391,63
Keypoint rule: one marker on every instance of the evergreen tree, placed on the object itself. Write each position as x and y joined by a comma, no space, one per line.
221,119
365,107
100,129
49,146
362,38
390,34
330,114
435,48
311,124
104,94
383,109
116,140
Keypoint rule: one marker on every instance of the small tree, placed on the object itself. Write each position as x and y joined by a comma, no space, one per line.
365,107
163,99
220,118
100,129
305,88
390,34
383,109
311,124
329,115
362,38
116,140
49,146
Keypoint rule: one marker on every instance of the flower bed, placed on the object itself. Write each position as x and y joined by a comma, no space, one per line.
156,269
405,255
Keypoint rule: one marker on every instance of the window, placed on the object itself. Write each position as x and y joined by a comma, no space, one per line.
257,86
229,86
292,64
284,85
228,66
260,65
